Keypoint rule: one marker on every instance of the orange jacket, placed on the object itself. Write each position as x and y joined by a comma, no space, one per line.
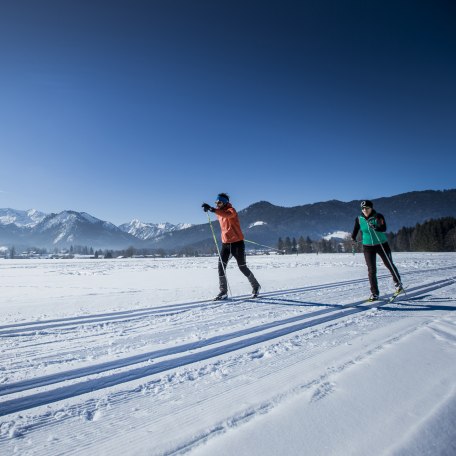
229,224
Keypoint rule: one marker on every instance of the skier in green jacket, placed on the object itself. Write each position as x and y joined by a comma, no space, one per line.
374,240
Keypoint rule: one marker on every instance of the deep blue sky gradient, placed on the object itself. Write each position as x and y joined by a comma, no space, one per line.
146,109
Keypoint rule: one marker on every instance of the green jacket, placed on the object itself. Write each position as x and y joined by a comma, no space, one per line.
372,235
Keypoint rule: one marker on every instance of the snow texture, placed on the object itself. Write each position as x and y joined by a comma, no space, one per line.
130,357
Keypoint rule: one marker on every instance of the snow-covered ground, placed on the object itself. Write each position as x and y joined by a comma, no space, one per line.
129,357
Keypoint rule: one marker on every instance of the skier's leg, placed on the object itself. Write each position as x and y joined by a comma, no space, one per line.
371,262
222,263
238,251
387,258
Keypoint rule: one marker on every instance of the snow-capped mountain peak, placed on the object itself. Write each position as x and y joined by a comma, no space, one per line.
28,218
71,227
145,231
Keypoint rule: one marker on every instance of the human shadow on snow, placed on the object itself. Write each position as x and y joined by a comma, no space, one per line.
295,303
419,304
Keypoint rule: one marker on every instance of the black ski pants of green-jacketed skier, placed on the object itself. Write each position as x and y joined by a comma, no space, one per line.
370,255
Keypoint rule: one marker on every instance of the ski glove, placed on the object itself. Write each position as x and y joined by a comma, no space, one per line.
206,207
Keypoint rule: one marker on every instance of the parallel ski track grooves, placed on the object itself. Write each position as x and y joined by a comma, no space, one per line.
116,398
171,309
144,357
65,392
19,329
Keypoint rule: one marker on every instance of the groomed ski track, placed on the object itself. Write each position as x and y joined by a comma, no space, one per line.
264,333
287,329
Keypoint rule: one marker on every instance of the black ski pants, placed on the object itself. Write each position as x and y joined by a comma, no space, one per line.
237,250
384,252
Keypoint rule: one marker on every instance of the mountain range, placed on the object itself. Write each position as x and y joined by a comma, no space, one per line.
37,229
146,231
262,223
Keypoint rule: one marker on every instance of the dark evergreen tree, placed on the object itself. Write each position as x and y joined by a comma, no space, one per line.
403,240
280,245
294,246
287,245
309,248
450,240
130,252
301,245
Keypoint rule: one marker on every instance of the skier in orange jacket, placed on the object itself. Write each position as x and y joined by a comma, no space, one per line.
232,244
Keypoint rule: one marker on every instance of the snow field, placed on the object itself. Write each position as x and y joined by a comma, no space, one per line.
88,347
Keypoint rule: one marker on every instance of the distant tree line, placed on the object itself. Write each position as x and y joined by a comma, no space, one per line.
431,236
128,252
307,245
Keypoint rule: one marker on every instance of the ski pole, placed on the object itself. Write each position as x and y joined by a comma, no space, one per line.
262,245
353,248
388,258
218,251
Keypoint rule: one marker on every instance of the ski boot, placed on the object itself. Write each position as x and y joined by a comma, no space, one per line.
256,291
223,287
255,286
399,290
373,297
221,296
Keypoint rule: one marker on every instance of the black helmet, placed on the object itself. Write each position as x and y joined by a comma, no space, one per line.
367,203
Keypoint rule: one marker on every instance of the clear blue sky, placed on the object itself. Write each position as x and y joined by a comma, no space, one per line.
145,109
